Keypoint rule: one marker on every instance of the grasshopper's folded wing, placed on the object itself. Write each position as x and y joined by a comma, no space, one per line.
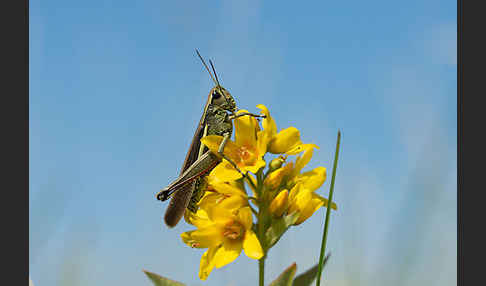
193,152
178,204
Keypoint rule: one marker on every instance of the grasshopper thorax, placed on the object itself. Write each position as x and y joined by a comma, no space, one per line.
224,101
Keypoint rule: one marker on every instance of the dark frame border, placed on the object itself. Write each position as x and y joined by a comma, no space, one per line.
470,144
15,135
460,224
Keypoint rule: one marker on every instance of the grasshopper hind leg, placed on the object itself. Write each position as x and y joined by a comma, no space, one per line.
178,204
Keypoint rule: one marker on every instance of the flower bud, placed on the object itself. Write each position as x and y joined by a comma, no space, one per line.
276,163
279,204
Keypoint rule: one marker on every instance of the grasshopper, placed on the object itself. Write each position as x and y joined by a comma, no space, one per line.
189,187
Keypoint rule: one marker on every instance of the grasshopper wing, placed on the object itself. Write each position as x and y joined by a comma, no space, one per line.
193,153
178,204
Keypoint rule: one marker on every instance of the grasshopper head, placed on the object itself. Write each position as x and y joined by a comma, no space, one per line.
225,101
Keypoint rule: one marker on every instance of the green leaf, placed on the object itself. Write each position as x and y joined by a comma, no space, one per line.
162,281
306,278
278,228
285,278
328,211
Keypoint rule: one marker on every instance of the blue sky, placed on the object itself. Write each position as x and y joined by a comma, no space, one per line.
116,91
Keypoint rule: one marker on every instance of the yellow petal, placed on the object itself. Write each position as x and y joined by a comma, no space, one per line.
269,130
245,217
199,219
285,141
324,201
293,195
208,200
303,199
312,180
227,253
207,263
295,150
228,189
187,239
303,159
307,212
263,138
208,237
260,163
213,179
274,179
228,202
233,202
279,204
214,141
225,172
268,123
298,198
245,130
220,214
252,246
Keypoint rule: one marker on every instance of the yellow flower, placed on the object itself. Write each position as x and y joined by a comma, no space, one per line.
305,202
279,204
286,141
290,174
225,233
246,151
301,185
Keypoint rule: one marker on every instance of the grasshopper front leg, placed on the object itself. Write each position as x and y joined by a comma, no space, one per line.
233,116
226,137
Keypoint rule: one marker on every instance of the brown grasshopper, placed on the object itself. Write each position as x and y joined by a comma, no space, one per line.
189,187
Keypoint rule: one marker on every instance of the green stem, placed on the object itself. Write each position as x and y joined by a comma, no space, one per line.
261,268
261,229
261,238
259,175
328,211
250,182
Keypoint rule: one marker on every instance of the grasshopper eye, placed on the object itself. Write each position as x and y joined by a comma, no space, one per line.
216,95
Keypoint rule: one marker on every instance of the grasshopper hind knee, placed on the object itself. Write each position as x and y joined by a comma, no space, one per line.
163,195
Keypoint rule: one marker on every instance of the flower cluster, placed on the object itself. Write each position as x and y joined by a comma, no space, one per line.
282,196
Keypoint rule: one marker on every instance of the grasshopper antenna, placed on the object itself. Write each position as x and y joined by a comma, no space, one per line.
214,71
206,66
217,81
